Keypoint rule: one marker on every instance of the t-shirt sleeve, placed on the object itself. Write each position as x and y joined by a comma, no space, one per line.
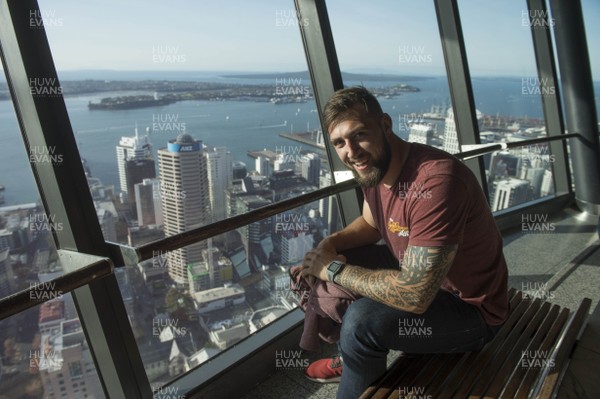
438,213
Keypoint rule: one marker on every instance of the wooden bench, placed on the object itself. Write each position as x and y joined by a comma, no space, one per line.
526,359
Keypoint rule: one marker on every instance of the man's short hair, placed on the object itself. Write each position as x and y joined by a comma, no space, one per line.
341,105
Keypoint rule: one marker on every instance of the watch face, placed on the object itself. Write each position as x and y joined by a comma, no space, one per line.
333,269
334,266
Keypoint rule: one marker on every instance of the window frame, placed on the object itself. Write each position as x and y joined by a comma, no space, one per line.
44,121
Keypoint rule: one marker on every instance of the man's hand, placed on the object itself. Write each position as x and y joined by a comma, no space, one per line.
315,262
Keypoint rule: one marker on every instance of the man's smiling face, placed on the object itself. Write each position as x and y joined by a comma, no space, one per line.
361,143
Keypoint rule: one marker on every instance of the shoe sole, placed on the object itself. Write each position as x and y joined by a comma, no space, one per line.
332,380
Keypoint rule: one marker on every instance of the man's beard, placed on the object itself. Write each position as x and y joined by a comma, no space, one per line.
376,172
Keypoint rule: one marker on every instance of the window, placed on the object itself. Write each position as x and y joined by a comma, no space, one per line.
37,346
591,13
398,56
180,129
508,97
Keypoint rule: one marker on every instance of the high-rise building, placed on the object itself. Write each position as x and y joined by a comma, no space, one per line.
239,170
65,363
263,166
535,176
147,200
283,162
547,187
253,234
5,272
220,176
136,170
133,148
311,168
185,200
510,192
451,143
294,245
422,133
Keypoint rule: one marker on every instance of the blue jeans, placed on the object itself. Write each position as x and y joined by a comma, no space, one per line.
370,329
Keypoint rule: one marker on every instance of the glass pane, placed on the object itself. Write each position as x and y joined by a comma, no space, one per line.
45,353
591,13
508,97
226,97
240,285
398,56
28,256
183,127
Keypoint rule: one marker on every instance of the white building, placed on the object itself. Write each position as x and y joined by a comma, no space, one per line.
451,143
220,175
510,192
185,199
219,298
147,201
131,148
422,133
294,246
65,364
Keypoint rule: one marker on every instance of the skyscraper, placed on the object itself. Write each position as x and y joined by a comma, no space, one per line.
310,168
147,200
510,192
129,149
451,143
263,166
136,163
422,133
220,176
185,200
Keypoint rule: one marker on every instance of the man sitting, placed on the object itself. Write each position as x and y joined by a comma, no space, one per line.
439,285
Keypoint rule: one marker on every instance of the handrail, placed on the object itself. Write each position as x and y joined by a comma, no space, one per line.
198,234
55,288
42,292
513,144
148,251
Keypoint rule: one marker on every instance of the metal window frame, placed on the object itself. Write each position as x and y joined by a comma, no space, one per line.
551,104
459,81
44,121
326,78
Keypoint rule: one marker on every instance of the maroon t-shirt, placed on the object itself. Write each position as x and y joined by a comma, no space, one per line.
438,201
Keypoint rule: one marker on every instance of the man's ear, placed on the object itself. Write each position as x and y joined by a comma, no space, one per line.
387,124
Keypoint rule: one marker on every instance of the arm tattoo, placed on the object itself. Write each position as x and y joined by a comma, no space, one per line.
411,289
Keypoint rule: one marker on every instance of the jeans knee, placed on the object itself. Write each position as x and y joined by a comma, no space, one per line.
355,326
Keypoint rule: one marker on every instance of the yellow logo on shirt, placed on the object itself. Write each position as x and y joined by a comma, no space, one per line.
396,228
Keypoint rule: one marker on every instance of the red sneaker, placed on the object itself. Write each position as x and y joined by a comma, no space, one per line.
325,370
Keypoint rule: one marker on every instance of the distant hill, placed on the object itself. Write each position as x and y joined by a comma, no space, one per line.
347,76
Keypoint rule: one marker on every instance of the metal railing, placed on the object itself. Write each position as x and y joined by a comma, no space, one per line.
121,255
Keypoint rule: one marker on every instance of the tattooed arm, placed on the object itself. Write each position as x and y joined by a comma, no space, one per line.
411,289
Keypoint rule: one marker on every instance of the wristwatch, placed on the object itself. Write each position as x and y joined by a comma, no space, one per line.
334,269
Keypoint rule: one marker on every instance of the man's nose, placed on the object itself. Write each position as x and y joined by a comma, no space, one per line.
353,149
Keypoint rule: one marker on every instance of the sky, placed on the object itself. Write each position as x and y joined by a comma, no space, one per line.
385,36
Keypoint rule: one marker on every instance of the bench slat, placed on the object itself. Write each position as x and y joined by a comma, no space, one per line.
459,376
497,370
489,364
565,346
515,347
548,342
511,371
385,384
